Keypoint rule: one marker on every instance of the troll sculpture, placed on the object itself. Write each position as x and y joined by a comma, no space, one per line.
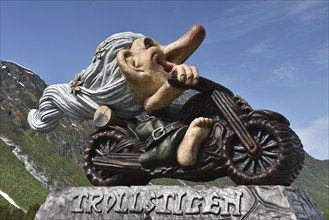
130,91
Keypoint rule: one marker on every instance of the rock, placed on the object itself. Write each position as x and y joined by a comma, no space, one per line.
179,202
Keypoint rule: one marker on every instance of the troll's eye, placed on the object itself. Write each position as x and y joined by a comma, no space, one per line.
148,43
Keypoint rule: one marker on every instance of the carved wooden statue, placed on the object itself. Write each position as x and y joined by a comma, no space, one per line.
213,134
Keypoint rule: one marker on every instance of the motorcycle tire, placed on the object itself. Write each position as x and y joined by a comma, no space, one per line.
280,159
97,145
116,141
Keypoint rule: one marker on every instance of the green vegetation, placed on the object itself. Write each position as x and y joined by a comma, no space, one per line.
326,215
10,213
57,155
7,213
4,202
59,163
314,177
22,187
30,215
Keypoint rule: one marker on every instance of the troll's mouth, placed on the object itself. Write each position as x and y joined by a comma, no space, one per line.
165,65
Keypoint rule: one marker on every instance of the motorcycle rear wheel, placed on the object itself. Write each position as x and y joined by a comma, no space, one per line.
119,150
280,159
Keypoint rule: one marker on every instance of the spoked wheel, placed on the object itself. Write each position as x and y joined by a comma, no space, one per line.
278,162
111,158
100,144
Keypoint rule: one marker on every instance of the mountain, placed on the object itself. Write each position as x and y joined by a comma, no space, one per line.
314,177
32,163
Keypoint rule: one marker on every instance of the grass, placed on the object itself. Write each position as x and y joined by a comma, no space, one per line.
22,187
4,202
59,163
314,177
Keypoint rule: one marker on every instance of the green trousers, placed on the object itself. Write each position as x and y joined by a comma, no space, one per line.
161,153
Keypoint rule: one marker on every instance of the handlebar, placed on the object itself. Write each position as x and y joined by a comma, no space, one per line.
204,85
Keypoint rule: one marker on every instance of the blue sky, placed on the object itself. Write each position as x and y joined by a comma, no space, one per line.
272,53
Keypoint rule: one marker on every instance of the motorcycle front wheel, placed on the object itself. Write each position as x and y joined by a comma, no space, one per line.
280,158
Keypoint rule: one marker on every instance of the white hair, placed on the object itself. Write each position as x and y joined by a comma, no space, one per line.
102,84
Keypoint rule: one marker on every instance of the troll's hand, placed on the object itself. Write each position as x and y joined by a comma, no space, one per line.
189,75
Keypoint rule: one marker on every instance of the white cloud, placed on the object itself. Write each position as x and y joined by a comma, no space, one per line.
301,7
260,48
320,57
286,76
308,12
315,138
242,19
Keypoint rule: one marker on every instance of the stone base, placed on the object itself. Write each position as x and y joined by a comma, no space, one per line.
180,202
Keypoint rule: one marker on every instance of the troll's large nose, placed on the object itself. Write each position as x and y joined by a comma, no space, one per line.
179,51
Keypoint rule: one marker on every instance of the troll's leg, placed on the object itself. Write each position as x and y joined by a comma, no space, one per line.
198,131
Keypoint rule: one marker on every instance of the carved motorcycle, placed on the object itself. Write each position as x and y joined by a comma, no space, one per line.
250,146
